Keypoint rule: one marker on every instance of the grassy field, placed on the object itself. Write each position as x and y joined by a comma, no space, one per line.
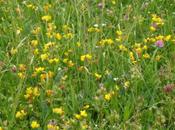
87,64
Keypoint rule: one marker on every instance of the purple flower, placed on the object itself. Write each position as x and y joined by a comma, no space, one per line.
168,88
159,43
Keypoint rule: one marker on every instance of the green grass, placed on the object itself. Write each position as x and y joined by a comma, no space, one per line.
110,89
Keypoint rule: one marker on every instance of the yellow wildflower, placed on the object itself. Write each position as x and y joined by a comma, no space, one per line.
106,42
46,18
119,39
21,75
84,126
83,113
20,114
138,50
119,33
145,47
86,57
47,6
122,48
98,76
44,56
126,84
66,28
34,43
36,30
31,93
39,69
156,19
152,40
68,35
49,45
146,56
54,60
52,127
108,96
31,6
49,92
35,124
58,111
86,107
22,67
131,55
152,28
167,38
36,92
77,116
93,29
36,52
58,36
70,63
159,37
109,41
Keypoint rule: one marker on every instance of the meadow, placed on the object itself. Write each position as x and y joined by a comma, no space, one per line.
87,64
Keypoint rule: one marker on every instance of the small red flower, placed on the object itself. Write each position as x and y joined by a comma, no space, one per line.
168,88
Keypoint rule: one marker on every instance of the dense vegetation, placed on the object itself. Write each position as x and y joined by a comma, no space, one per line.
87,64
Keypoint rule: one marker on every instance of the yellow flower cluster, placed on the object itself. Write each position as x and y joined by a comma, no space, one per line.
122,48
36,30
45,76
58,111
45,57
166,38
157,19
94,29
31,6
69,63
132,57
35,125
57,60
49,45
21,114
81,115
47,6
34,43
39,70
86,57
58,36
108,96
68,35
22,69
97,76
156,22
51,27
52,127
32,93
46,18
119,36
104,42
